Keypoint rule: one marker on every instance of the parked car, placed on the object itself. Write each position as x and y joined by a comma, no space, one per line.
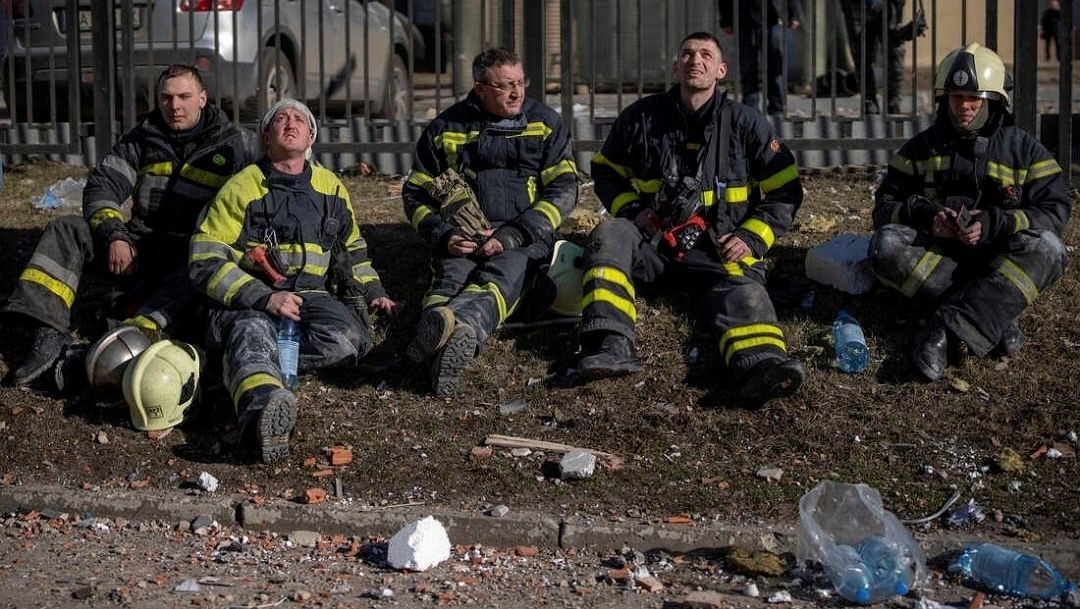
307,49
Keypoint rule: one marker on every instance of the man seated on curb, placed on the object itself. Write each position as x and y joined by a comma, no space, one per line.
511,159
171,165
281,241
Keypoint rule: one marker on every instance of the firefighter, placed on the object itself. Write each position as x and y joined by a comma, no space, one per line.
506,162
699,188
969,217
281,241
171,165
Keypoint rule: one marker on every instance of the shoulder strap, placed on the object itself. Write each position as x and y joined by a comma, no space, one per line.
723,158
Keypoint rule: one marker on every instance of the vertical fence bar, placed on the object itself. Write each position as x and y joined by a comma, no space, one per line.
618,58
101,14
506,24
438,54
127,65
367,61
1065,91
218,85
1026,56
349,59
533,15
991,24
566,73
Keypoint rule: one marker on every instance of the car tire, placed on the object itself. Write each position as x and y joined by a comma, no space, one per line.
276,74
397,100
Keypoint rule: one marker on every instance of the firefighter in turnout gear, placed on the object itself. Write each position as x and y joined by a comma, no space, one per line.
514,155
969,217
170,165
281,241
699,188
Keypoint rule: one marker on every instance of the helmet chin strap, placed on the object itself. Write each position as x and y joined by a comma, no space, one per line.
977,123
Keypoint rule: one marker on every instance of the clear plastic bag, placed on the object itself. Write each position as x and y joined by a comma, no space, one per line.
867,553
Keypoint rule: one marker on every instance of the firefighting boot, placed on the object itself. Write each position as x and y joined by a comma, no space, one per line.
270,413
1011,340
432,333
48,345
770,380
459,350
931,353
607,354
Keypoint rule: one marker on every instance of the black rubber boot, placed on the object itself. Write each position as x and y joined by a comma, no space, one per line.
276,420
1012,339
931,353
432,333
48,345
452,359
770,380
611,354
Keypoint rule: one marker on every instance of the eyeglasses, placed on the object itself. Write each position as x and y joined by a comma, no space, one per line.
505,87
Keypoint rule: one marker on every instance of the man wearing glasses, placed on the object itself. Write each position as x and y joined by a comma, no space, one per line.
509,159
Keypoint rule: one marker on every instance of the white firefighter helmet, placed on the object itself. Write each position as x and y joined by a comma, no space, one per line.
975,70
160,384
107,358
566,272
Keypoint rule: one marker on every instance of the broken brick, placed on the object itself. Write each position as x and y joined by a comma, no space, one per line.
650,583
339,455
679,519
526,551
309,462
482,452
137,484
322,473
619,575
314,495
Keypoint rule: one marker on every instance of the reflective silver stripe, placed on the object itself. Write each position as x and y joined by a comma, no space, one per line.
224,287
926,265
201,250
53,268
1016,276
119,165
294,260
363,272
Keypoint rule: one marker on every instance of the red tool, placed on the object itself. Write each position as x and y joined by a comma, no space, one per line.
257,255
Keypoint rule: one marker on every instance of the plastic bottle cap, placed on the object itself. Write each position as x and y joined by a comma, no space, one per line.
902,588
863,596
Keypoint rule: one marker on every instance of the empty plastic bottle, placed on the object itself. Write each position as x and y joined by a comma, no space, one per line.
1006,571
852,354
288,346
886,568
849,575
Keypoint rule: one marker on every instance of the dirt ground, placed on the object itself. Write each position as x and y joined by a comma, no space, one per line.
685,448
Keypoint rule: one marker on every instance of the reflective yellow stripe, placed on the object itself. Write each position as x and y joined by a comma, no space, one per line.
534,128
1005,174
530,188
450,141
432,300
259,379
622,304
1042,169
202,176
740,338
934,163
920,273
612,274
708,197
51,284
142,321
1018,278
562,167
419,178
164,168
737,194
903,165
102,215
646,186
622,170
622,200
491,288
761,229
780,178
418,216
733,269
550,212
1020,220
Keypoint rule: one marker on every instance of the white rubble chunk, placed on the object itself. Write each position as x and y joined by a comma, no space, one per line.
419,545
842,262
577,465
208,482
783,596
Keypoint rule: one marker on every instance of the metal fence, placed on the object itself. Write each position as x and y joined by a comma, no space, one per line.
375,72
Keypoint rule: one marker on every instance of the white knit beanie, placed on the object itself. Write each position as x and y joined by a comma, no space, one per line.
294,104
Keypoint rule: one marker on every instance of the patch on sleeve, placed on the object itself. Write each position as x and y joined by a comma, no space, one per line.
775,146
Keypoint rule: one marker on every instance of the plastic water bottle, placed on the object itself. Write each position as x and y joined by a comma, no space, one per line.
851,579
288,347
886,569
851,352
1006,571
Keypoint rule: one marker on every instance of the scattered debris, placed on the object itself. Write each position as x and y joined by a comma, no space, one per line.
513,406
188,585
82,593
555,447
339,455
1009,461
842,262
948,503
782,596
755,563
304,539
1053,453
101,437
207,482
959,384
971,513
419,546
313,495
772,474
577,465
499,511
649,582
679,519
705,599
521,451
301,596
1013,486
751,590
482,452
526,551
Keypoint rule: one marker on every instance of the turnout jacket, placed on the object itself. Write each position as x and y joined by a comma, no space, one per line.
522,170
1016,182
656,136
170,178
305,222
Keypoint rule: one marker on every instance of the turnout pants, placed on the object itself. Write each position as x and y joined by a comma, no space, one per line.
977,292
330,334
484,292
156,296
732,296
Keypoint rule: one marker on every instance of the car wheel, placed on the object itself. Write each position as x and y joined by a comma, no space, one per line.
397,101
277,80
